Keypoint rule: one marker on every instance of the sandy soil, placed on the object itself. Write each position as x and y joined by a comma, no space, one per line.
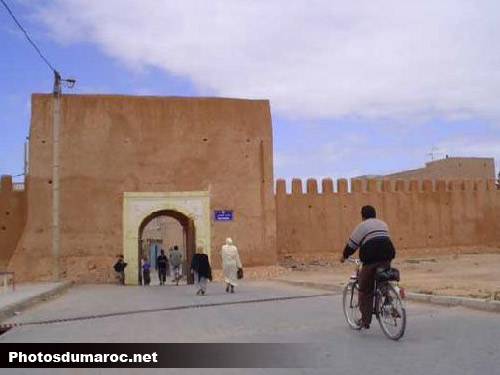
466,271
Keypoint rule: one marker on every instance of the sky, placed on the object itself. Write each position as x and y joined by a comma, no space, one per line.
365,87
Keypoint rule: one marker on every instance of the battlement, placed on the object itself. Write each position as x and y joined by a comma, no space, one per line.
358,185
12,217
7,186
420,214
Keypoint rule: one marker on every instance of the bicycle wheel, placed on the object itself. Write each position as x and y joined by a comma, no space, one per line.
391,312
351,305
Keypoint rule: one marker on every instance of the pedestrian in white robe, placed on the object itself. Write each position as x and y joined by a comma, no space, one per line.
230,264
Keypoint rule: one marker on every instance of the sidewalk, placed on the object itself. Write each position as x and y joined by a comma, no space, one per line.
336,283
27,295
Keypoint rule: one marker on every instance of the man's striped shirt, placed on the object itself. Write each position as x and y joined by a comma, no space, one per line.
367,230
372,237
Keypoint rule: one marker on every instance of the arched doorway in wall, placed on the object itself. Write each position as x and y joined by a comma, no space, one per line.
190,208
164,229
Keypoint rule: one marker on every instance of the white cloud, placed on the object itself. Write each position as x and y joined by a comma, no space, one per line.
328,158
322,58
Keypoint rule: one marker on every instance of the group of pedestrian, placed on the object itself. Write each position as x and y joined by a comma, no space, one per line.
231,267
200,267
164,266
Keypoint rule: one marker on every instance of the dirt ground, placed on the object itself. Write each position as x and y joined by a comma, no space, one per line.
461,271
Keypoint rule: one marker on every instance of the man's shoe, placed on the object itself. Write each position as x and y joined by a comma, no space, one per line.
363,325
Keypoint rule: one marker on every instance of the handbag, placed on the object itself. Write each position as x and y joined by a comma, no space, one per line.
239,273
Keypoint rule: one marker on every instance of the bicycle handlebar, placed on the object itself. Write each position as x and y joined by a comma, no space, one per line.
353,260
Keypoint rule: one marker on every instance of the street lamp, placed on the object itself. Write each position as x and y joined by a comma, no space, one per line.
59,82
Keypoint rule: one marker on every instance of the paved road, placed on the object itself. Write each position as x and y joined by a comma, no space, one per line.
438,340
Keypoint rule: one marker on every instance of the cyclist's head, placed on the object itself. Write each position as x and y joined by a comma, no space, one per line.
176,247
368,212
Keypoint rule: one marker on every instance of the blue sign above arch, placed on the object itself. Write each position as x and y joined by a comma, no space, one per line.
223,215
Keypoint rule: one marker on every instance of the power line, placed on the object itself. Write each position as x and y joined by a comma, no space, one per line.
27,35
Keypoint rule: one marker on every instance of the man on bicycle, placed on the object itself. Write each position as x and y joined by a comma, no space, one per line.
376,250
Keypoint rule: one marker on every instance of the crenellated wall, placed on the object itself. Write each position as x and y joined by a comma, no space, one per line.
420,214
12,218
316,219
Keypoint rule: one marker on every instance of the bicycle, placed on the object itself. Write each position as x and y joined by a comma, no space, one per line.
388,305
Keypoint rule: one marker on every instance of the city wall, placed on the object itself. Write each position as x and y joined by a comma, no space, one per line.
419,214
12,218
111,144
430,214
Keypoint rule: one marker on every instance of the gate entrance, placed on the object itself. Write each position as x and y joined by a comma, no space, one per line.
165,238
190,209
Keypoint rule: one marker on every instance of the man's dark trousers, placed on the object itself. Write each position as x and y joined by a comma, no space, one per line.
162,274
366,286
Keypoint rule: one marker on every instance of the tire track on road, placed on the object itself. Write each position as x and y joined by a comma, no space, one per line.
5,327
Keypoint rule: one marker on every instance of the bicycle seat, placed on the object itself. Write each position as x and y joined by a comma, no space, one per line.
387,274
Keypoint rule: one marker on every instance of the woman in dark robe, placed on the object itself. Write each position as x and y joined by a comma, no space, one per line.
200,267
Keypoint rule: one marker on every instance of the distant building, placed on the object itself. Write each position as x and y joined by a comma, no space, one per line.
446,169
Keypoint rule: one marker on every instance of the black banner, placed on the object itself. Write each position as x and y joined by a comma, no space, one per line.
148,355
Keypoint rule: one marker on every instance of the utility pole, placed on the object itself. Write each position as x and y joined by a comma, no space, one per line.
55,170
56,245
26,147
56,230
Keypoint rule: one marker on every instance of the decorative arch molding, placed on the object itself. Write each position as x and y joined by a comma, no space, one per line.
137,207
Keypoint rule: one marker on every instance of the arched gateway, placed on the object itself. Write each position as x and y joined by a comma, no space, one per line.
187,244
191,209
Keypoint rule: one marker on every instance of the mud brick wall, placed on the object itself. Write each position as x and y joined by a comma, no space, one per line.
12,218
420,214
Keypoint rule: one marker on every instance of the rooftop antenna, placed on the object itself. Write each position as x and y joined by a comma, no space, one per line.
434,153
